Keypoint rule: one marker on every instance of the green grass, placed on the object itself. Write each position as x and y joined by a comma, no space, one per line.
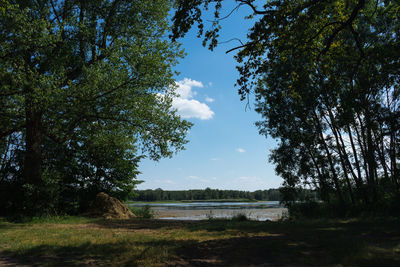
74,241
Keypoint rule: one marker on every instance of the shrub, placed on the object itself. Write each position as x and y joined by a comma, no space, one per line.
144,212
240,217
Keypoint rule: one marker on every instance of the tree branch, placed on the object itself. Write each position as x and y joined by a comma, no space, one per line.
258,12
238,47
229,14
5,133
345,24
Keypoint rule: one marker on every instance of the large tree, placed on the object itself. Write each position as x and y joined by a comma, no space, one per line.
85,86
326,81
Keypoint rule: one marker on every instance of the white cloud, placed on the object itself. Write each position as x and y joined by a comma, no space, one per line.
209,99
240,150
164,182
215,159
248,179
188,107
185,87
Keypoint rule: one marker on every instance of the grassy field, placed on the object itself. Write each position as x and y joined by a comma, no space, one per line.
73,241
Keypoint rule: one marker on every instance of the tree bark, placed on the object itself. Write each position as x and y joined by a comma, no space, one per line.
341,152
392,152
363,147
371,156
358,179
33,142
321,177
330,160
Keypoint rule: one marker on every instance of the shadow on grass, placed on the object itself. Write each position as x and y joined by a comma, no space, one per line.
256,243
243,251
361,228
320,242
137,224
264,251
125,253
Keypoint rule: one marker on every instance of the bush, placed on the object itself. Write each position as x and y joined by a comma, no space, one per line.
144,212
313,209
240,217
388,206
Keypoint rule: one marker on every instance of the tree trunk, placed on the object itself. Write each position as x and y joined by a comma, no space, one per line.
358,179
371,156
341,152
33,153
321,177
380,149
330,160
392,151
363,147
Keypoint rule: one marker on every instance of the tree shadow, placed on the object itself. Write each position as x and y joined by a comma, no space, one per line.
254,244
241,251
150,224
89,254
357,243
255,251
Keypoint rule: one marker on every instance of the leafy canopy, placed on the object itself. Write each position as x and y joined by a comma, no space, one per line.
326,81
86,91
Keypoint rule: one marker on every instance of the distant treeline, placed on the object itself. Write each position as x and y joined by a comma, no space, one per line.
215,194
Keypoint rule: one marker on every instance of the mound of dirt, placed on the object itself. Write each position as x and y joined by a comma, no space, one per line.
109,208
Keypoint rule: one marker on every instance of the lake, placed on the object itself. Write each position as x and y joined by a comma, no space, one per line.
260,211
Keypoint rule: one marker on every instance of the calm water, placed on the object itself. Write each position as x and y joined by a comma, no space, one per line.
261,211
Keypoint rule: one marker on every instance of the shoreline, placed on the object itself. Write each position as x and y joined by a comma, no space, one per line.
260,214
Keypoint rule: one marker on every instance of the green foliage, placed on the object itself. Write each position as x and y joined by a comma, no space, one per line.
210,194
86,93
3,6
326,83
143,212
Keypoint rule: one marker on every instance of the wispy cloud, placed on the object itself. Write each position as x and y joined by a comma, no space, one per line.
165,182
197,178
209,99
240,150
187,106
215,159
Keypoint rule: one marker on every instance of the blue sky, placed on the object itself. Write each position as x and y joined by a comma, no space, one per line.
225,150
